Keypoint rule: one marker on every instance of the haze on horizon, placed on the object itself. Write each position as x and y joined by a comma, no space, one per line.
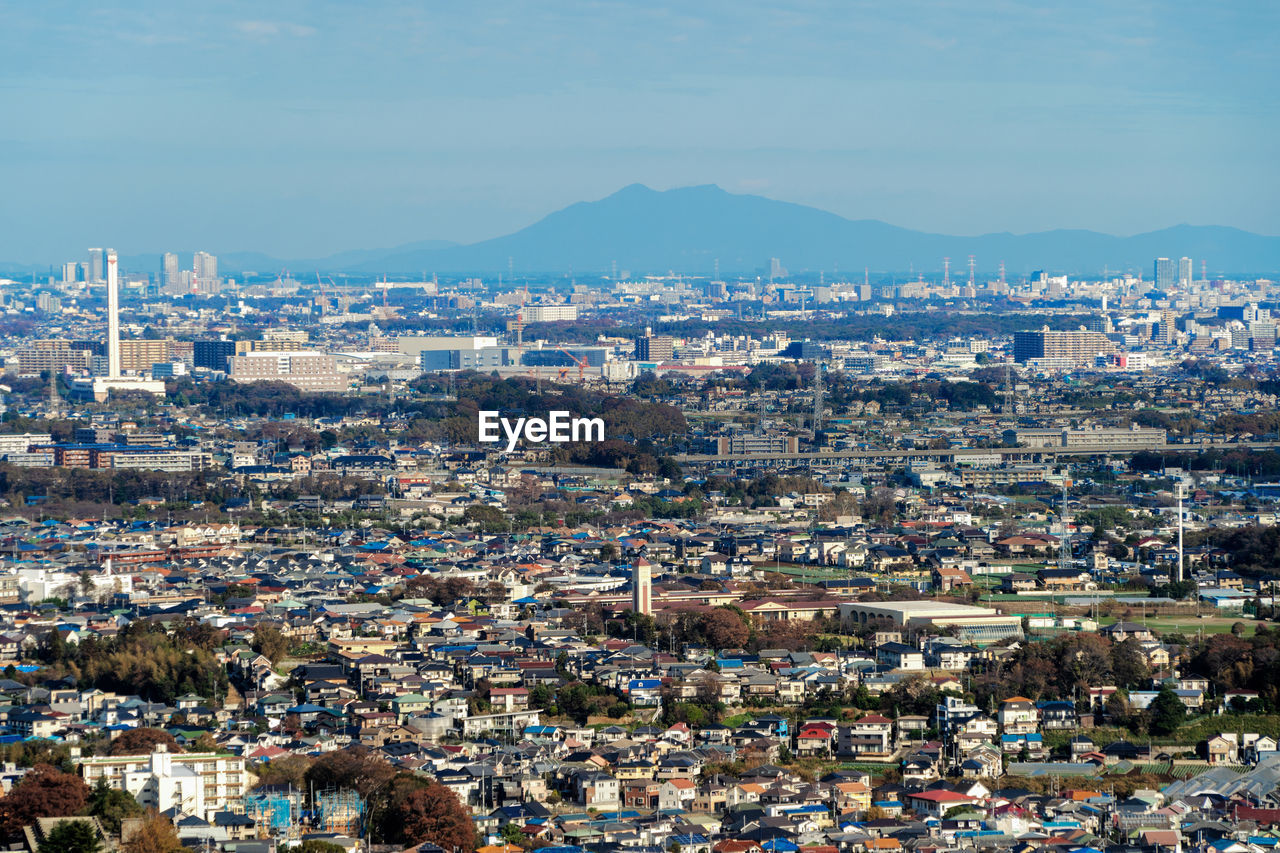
305,128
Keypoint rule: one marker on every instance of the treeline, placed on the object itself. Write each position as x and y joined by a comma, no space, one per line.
1241,463
122,485
821,327
262,399
1251,551
143,659
1254,423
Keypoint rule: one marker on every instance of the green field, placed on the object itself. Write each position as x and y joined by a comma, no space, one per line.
1190,625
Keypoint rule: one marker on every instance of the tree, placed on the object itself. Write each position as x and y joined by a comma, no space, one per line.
724,628
142,741
268,641
1129,665
43,792
155,835
285,770
71,836
1167,712
434,814
111,805
355,768
315,845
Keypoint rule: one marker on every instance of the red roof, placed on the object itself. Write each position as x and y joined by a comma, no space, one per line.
943,797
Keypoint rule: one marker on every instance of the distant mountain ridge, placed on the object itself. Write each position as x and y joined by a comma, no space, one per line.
690,229
695,230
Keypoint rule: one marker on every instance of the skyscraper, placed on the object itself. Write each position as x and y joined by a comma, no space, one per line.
1164,273
205,271
169,271
642,587
93,274
1184,272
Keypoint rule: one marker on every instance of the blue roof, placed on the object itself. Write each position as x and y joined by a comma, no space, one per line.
644,683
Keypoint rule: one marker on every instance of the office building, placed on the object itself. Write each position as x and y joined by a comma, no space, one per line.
743,444
1184,272
1164,274
213,355
1062,349
1133,437
204,271
306,371
549,313
169,272
570,357
657,348
93,271
69,272
483,358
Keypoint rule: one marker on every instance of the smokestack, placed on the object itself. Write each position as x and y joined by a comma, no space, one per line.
113,317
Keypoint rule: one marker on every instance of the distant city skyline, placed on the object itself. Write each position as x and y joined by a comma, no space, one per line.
320,127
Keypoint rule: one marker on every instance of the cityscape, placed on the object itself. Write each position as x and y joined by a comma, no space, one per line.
722,517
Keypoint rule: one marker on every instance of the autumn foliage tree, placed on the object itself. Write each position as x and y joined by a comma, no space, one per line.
142,741
43,792
433,813
155,835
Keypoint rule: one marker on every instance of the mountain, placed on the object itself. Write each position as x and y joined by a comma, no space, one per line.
689,229
692,229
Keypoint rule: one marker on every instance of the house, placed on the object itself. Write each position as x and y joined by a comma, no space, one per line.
1018,715
597,789
938,803
871,734
1121,631
900,656
677,794
1222,749
1058,715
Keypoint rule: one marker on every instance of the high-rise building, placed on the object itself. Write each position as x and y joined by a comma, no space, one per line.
642,587
213,355
169,270
93,272
69,271
306,371
1185,274
1167,333
1061,348
205,271
1164,273
652,347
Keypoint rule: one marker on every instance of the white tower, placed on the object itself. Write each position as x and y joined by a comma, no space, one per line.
642,587
113,316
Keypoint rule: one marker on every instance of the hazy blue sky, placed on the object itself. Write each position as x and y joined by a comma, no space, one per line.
301,128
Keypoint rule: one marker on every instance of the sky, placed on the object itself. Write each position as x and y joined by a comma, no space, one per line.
300,129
